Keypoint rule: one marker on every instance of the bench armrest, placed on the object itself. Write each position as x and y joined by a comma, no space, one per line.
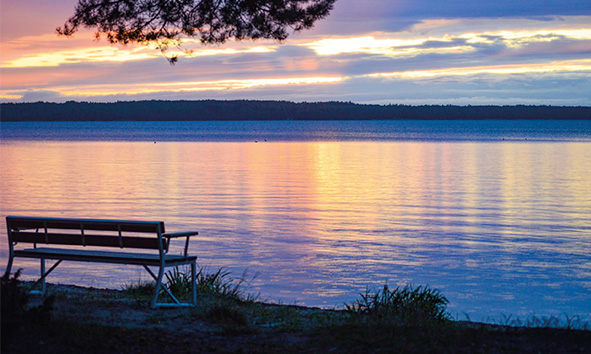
186,234
180,234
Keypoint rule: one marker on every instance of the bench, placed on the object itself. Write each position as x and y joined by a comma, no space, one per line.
142,243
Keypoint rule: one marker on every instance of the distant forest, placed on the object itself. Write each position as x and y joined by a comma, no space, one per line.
273,110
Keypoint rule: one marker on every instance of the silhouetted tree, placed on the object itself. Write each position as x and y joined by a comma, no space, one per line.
166,22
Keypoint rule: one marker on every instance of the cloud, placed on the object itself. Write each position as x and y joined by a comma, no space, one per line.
470,9
353,16
39,96
91,54
583,66
293,51
416,50
476,87
134,89
391,44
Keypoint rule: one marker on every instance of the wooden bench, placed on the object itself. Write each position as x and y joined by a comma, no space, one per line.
145,243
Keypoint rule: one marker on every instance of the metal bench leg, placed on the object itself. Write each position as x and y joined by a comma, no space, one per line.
44,275
42,271
8,267
158,285
194,284
158,280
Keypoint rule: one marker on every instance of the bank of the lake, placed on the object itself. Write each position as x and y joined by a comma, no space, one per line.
89,320
249,110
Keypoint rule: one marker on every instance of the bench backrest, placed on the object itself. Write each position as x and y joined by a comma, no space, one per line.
83,232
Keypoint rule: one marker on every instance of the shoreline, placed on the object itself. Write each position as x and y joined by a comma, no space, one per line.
127,324
245,110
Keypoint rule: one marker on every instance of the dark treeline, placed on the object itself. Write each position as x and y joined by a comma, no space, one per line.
272,110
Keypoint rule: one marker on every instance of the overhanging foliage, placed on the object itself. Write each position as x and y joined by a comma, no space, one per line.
166,22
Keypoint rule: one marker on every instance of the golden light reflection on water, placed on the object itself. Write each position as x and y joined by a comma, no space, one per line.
321,220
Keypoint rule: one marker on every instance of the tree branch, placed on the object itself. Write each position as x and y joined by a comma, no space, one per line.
212,21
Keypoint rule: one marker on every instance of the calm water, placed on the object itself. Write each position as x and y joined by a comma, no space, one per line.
497,215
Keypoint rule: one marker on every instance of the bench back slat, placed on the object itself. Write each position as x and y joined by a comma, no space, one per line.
53,231
89,224
89,240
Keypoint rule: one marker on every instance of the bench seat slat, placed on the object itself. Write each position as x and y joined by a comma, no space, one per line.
89,240
103,256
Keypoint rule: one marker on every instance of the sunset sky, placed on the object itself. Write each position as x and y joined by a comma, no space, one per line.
380,51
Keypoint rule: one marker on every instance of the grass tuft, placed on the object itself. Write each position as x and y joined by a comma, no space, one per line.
408,305
139,289
401,320
229,315
219,284
15,309
563,321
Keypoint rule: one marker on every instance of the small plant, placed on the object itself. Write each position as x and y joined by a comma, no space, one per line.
139,289
178,281
408,305
223,313
15,312
563,321
221,284
14,297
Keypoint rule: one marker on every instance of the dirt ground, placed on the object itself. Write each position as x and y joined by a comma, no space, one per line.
86,320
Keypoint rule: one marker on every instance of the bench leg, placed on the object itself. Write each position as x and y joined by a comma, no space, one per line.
42,271
194,284
159,281
159,285
44,275
8,268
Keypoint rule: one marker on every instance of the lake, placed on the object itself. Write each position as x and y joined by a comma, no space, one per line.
494,214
